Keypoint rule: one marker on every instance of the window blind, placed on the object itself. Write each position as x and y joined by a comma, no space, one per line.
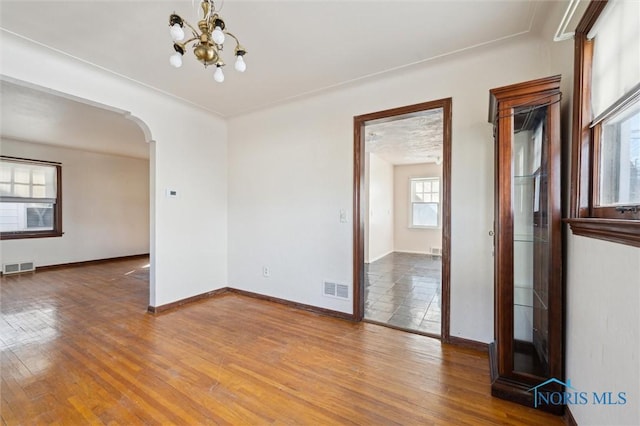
616,54
25,182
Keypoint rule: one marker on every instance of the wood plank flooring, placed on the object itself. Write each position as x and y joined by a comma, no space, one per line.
78,347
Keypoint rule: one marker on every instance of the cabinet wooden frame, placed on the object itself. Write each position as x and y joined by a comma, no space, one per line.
585,218
507,381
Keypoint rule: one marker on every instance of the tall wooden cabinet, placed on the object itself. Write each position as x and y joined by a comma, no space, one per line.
528,347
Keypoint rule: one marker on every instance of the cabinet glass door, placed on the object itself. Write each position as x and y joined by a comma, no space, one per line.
530,241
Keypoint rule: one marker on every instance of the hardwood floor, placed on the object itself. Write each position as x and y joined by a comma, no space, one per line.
78,347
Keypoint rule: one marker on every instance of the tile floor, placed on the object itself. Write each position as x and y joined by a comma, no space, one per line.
404,290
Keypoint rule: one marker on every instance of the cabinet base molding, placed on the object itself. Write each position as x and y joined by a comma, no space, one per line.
513,391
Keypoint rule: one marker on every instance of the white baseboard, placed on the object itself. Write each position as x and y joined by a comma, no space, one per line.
379,257
411,252
399,251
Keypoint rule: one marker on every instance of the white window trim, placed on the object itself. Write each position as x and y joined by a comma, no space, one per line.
411,202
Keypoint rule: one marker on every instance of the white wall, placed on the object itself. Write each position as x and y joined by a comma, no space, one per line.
380,206
105,207
301,155
412,240
189,154
603,327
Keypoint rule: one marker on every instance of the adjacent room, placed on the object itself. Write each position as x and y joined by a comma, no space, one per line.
320,212
403,221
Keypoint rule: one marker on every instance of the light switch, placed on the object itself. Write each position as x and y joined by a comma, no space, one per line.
343,216
171,193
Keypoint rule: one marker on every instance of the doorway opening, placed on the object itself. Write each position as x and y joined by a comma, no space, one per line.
94,143
402,210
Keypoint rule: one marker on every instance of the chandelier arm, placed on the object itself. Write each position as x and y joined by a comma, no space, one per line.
234,37
239,47
185,43
193,30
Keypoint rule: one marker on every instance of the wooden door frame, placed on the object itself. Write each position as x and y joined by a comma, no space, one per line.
358,210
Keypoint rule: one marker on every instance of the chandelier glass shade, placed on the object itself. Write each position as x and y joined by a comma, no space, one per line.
208,40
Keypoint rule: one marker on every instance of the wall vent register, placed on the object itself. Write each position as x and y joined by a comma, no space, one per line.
16,268
340,291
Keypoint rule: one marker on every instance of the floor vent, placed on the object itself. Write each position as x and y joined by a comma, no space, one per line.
341,291
16,268
436,251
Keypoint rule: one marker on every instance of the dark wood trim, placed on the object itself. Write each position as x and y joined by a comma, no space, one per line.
595,209
613,214
358,213
583,214
445,330
580,132
358,222
57,209
502,387
296,305
581,153
85,263
594,168
538,87
569,420
37,234
468,344
493,361
615,230
58,206
90,262
395,327
399,112
590,16
188,300
223,290
519,393
510,380
31,160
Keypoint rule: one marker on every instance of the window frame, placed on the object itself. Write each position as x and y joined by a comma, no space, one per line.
57,206
411,202
612,211
585,218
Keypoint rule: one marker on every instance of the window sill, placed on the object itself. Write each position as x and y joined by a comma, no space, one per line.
614,230
24,235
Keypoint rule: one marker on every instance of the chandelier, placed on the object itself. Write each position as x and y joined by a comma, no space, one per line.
208,42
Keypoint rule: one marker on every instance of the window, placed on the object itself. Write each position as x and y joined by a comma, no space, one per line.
30,199
618,179
605,181
425,203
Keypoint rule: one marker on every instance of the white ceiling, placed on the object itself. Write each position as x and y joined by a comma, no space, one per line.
295,48
37,116
412,139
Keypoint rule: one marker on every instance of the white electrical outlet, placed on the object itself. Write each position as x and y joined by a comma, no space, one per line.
266,271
